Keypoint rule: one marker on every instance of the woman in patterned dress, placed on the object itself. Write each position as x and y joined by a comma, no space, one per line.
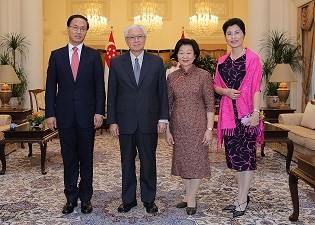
238,79
191,101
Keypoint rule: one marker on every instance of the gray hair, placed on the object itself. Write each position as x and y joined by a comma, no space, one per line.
135,26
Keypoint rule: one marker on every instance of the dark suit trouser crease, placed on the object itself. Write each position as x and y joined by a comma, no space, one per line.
77,153
146,145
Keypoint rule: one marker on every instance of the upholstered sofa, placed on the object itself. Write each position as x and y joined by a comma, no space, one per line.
302,129
5,121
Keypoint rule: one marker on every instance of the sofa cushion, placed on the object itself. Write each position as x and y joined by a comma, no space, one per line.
310,143
300,135
308,117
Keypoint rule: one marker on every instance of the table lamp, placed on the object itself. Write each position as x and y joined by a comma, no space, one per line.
7,76
283,73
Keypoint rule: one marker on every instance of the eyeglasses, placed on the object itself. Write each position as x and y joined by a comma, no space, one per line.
134,38
76,29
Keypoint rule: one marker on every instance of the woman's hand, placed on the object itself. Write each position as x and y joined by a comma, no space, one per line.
207,138
232,93
254,119
169,138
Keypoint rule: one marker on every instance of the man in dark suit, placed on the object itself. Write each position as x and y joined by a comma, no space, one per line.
137,112
75,104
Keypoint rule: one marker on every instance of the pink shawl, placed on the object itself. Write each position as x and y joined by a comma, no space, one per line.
245,103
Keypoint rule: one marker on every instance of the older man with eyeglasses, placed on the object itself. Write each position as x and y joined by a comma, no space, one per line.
137,111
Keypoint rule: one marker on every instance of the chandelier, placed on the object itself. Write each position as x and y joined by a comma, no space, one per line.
204,22
97,22
152,22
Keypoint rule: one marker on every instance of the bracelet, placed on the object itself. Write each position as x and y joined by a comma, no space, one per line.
209,128
256,110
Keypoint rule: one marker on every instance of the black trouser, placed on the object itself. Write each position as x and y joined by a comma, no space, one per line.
77,146
146,145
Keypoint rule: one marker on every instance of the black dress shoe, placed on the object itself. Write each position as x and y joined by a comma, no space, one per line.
125,207
69,207
237,213
191,210
231,208
181,205
150,207
86,207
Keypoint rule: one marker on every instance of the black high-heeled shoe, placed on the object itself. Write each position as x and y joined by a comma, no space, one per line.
231,208
237,213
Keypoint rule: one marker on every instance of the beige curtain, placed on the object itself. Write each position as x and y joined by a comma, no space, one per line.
307,34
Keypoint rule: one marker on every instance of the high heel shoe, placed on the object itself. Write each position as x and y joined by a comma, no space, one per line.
231,208
181,205
191,210
237,213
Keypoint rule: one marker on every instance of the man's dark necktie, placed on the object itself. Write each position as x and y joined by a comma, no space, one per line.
136,70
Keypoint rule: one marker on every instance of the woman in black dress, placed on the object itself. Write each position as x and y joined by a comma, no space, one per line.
237,80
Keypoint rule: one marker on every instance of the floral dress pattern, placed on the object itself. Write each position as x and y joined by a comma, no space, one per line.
240,150
191,96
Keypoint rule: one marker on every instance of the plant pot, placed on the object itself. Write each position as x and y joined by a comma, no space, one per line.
272,101
14,102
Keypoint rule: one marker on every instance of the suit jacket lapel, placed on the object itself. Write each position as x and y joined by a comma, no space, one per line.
144,67
83,58
65,58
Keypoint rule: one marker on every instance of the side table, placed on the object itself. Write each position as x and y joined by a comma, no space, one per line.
18,115
306,172
272,114
273,133
24,134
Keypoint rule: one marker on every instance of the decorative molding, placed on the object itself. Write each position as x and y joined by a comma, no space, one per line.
46,31
45,10
164,9
301,2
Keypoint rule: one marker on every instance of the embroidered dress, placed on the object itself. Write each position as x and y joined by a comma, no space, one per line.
190,98
240,150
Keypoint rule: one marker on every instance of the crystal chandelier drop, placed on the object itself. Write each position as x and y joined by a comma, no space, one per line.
204,22
152,22
97,22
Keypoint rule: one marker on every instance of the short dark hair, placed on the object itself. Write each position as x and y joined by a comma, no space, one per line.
233,21
173,56
78,16
186,41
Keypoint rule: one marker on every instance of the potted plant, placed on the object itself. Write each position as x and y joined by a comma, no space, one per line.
280,49
15,48
208,63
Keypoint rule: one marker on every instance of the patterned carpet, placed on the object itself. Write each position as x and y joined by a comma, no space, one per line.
27,197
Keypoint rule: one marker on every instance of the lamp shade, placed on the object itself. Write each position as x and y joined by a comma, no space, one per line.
8,75
282,73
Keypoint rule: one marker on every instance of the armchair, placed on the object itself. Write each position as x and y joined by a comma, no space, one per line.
37,100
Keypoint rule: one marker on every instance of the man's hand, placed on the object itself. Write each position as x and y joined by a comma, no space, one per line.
114,130
51,123
98,120
161,127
